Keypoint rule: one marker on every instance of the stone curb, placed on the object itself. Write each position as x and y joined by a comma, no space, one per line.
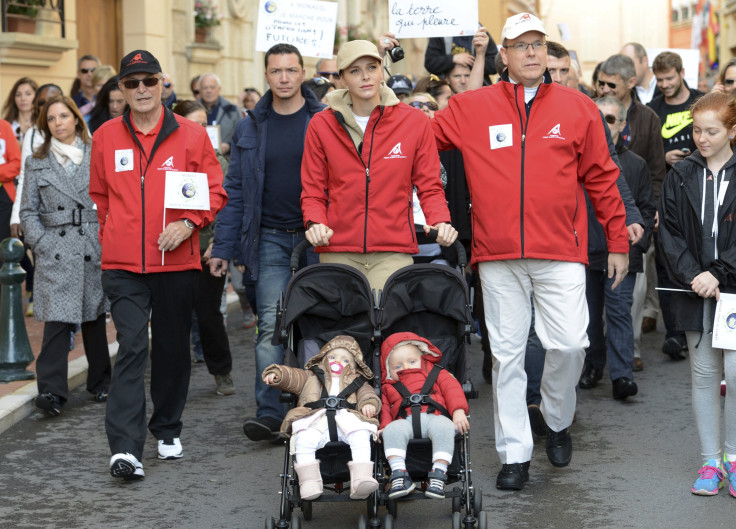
18,405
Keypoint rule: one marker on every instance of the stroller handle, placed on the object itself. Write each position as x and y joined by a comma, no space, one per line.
296,254
462,258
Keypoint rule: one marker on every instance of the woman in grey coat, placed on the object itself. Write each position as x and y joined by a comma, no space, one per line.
60,225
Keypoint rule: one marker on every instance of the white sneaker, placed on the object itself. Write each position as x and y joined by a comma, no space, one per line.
126,466
169,448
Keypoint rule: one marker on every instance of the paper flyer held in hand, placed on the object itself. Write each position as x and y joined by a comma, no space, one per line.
724,326
186,191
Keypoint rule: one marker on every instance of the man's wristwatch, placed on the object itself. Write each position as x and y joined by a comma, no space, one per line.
189,224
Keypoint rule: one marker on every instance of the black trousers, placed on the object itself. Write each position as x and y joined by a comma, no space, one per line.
168,298
52,365
215,344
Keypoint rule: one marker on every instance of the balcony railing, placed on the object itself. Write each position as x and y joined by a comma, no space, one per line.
48,11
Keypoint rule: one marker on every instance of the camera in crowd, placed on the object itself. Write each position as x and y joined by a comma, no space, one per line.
396,53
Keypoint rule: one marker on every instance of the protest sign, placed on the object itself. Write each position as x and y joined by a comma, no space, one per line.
307,24
432,18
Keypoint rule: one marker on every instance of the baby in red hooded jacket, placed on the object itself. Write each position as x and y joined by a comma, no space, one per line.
408,362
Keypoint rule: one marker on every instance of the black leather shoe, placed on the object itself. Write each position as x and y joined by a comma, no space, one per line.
559,447
513,476
590,377
624,387
49,403
674,347
266,429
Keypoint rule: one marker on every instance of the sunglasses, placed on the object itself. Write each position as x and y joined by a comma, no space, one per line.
601,84
610,118
87,70
431,105
335,75
729,82
167,85
132,84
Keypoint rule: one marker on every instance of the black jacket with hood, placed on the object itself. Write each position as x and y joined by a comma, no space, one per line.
680,237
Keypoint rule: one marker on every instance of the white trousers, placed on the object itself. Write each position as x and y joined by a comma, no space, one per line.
561,322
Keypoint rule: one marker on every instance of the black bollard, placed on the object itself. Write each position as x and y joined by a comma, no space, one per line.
15,349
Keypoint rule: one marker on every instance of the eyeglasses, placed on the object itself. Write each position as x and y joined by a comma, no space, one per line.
431,105
610,118
610,85
729,82
132,84
521,47
87,70
334,75
166,85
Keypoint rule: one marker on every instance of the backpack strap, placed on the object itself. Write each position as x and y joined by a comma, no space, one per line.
417,400
334,403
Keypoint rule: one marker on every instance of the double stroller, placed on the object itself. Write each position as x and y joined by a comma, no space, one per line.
326,300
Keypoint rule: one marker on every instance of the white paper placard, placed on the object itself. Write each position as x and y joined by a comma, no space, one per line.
307,24
186,191
432,18
724,325
213,131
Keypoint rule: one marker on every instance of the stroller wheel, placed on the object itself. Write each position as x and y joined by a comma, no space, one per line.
372,509
362,522
296,522
270,523
457,501
477,501
456,520
483,520
388,522
307,509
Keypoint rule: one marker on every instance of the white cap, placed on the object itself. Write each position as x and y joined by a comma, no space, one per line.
520,24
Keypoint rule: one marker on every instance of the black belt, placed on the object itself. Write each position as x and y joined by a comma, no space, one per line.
287,230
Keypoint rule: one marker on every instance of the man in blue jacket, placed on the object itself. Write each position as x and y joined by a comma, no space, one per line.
263,220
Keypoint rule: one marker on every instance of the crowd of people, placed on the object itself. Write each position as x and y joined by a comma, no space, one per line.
575,201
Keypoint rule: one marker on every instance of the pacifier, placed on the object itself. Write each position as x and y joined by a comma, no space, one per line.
336,368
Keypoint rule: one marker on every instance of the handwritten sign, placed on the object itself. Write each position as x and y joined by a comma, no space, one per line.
432,18
307,24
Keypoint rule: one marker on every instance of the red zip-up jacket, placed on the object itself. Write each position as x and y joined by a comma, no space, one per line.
128,184
9,158
366,197
446,391
526,175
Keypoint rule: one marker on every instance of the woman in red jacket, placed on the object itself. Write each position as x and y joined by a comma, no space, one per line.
362,158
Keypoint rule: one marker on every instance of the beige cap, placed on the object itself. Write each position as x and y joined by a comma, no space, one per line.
520,24
354,50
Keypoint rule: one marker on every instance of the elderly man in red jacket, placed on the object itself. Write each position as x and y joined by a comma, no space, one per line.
149,169
529,146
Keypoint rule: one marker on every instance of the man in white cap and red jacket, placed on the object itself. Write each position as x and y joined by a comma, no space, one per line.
529,146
